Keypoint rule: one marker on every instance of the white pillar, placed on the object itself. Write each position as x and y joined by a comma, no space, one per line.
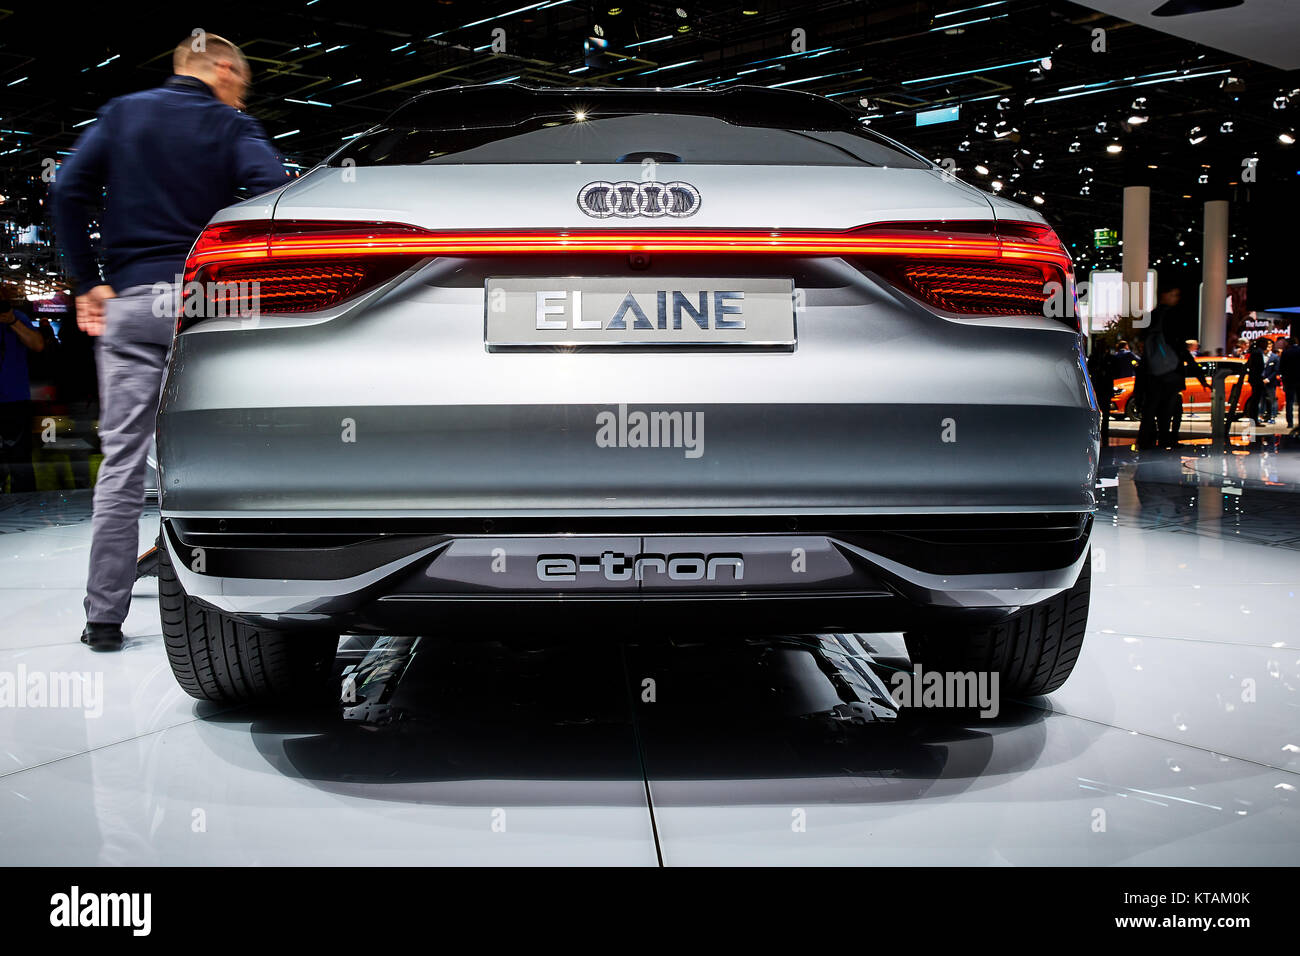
1136,236
1214,273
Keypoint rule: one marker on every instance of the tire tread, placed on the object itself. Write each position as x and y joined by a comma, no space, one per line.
1033,651
218,658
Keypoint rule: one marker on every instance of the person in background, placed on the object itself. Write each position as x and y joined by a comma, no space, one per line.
1288,367
1124,361
1164,367
1268,401
18,336
1255,378
166,159
1193,347
1101,369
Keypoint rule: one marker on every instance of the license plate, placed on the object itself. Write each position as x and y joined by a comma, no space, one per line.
694,313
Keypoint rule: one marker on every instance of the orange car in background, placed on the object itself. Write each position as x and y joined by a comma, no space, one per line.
1196,397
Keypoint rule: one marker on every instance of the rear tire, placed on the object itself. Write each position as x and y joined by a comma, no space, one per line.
215,657
1033,651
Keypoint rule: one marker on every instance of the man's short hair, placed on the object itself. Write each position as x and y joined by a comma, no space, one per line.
199,52
1122,344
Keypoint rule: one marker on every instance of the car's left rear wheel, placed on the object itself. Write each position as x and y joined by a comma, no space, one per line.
216,657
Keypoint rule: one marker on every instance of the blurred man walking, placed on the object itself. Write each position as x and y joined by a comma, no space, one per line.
163,160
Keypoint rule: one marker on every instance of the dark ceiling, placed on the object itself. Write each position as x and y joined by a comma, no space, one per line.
1042,86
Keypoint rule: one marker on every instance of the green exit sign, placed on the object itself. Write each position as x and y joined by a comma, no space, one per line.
1104,238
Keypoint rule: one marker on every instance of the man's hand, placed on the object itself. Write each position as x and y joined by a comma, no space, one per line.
30,338
90,309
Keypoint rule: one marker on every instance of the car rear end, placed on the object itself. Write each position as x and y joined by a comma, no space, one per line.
626,355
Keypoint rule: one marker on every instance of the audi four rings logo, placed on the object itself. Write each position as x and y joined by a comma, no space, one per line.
627,199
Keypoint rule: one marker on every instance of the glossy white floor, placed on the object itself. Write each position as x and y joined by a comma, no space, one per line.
1177,740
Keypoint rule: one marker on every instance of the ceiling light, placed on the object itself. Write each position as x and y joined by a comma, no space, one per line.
996,184
1045,63
1039,200
1076,146
1281,103
1136,120
615,11
1114,148
982,170
1195,135
1287,138
1225,126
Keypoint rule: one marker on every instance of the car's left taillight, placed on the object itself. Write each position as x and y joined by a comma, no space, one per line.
243,269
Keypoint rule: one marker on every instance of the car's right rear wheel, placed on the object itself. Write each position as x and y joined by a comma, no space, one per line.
1033,651
216,657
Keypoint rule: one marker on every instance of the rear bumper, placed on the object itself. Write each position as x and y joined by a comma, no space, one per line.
393,405
800,572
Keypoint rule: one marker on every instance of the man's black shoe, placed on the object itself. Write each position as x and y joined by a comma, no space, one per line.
102,637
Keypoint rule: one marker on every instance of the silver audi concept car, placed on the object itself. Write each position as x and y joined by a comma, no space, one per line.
597,360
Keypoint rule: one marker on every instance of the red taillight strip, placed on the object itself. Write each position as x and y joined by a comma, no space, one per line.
445,244
370,240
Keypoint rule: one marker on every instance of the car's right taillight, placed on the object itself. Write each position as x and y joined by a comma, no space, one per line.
1020,268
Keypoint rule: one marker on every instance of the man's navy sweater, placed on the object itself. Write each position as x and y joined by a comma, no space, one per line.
163,161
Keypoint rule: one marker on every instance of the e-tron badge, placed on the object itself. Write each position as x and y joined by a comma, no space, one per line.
628,199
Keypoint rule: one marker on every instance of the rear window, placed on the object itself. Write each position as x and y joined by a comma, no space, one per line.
759,127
